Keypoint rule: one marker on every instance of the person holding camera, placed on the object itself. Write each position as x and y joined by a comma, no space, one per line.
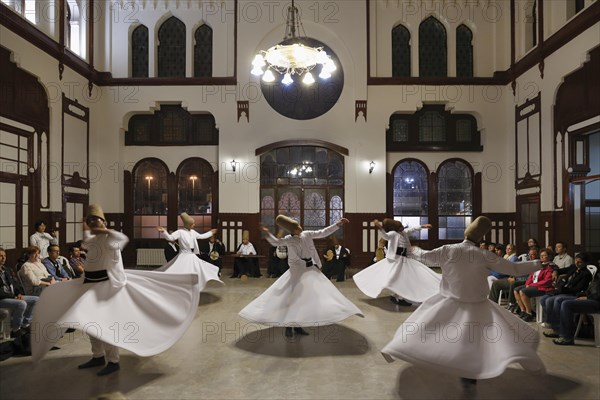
42,239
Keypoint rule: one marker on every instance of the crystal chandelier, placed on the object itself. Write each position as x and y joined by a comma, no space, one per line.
292,56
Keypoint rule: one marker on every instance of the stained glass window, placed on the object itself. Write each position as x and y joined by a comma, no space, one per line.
400,51
171,48
203,49
139,52
464,51
433,58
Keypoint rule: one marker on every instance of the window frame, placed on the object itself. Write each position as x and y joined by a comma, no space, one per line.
192,124
450,144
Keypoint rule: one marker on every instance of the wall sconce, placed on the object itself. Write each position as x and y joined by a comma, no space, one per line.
371,166
232,165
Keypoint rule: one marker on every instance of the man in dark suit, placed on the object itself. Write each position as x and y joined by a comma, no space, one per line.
337,258
171,249
212,251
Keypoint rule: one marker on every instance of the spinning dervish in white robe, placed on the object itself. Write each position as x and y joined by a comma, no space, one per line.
459,331
145,312
302,296
187,260
397,273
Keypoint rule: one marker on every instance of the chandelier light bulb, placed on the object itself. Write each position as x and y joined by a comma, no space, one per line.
329,66
258,61
268,76
324,74
257,71
322,57
308,79
287,79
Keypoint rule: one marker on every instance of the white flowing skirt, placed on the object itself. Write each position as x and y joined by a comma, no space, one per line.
145,316
470,340
300,297
404,276
186,262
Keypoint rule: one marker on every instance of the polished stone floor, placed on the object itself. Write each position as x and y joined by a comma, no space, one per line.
223,356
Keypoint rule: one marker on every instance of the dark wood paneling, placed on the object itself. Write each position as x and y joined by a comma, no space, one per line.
303,142
501,226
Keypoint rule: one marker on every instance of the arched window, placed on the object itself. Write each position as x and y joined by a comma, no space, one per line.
303,182
195,191
410,198
464,51
203,51
149,198
139,52
455,198
433,49
171,48
400,51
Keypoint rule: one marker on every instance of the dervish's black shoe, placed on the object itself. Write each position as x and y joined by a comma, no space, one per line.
109,369
300,331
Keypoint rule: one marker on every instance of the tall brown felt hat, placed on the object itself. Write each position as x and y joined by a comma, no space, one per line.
478,228
391,225
286,223
187,220
245,235
94,210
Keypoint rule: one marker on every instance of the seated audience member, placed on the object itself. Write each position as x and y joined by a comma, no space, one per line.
75,260
380,251
492,247
42,239
278,262
337,259
562,259
531,244
587,302
537,284
171,248
212,251
53,264
499,250
82,249
511,254
33,274
20,306
507,285
244,267
566,288
483,244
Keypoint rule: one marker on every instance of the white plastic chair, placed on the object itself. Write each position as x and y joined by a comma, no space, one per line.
596,319
4,323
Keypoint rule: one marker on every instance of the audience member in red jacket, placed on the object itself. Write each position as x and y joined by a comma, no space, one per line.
537,284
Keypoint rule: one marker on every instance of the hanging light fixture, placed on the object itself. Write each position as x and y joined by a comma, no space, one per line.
292,56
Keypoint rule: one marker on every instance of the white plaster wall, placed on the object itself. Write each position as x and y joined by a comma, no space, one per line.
126,16
342,30
488,20
31,59
562,62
